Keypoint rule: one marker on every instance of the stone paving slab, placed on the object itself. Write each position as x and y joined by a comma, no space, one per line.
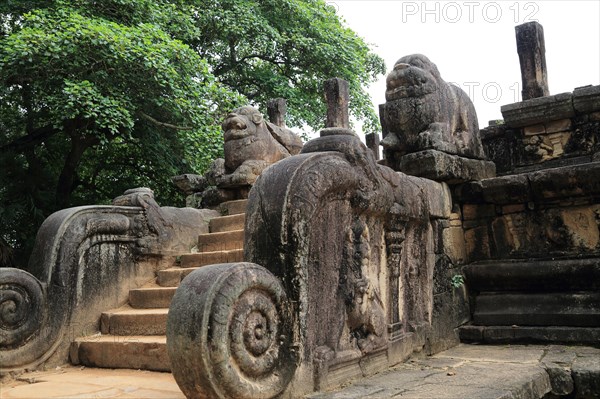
84,383
485,372
463,372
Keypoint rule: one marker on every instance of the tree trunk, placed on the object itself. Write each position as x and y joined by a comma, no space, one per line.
67,176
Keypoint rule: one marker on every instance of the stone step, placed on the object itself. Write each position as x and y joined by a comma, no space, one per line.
580,309
227,223
151,297
210,258
530,335
221,241
233,207
127,321
190,262
538,275
172,277
131,352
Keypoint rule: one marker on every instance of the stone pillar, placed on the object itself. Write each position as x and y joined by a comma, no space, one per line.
276,109
372,140
532,57
336,94
384,130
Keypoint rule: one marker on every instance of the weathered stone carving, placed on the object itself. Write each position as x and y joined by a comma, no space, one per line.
251,144
229,333
544,132
337,97
354,246
276,109
84,261
423,112
533,235
22,307
364,306
330,224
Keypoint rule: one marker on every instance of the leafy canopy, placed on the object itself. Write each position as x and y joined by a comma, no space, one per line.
101,96
90,107
286,48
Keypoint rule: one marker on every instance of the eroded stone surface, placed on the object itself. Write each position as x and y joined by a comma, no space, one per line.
331,217
248,137
86,259
532,57
439,166
546,132
229,333
251,144
462,372
424,112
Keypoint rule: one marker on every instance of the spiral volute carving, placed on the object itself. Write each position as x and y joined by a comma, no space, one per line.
231,324
21,307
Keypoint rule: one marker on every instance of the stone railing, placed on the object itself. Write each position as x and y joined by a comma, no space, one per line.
84,261
349,275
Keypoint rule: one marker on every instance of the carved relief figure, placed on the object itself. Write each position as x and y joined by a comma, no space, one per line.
535,146
364,307
422,111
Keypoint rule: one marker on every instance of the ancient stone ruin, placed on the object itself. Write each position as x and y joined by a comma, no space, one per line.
427,120
251,145
321,264
85,261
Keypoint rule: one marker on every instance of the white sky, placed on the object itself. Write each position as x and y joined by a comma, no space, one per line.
479,48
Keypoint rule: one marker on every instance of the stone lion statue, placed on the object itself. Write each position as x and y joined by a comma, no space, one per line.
252,144
422,111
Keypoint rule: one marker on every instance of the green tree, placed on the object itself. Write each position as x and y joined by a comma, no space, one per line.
100,96
286,48
141,105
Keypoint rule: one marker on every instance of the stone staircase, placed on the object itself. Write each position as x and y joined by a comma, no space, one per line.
534,301
133,336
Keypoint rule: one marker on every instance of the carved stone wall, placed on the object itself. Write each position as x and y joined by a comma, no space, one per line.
547,213
359,251
533,234
356,247
545,132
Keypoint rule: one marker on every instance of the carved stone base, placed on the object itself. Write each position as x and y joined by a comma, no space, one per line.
229,333
439,166
333,370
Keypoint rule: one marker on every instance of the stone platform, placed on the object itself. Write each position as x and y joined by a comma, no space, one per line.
466,371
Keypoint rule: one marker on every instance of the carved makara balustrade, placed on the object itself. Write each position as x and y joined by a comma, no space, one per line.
85,260
340,285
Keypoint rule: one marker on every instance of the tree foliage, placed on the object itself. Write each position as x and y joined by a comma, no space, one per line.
90,107
286,48
100,96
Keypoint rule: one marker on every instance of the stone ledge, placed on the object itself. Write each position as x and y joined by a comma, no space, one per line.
538,110
535,276
586,99
440,166
539,186
550,108
465,371
529,335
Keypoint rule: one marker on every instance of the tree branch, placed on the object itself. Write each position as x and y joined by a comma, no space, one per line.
164,124
34,138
